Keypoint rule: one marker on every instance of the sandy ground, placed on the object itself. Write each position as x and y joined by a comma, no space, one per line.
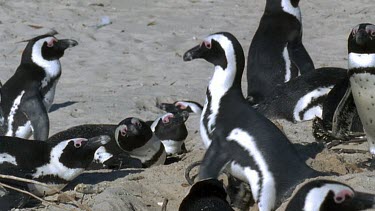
122,69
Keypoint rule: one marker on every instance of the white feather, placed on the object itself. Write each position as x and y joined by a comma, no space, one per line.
357,60
5,157
288,8
288,72
172,147
13,112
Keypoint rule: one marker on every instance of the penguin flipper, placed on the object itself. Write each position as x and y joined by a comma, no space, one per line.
213,162
38,116
343,116
300,57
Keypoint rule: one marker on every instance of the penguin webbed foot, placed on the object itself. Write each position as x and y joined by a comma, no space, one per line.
191,180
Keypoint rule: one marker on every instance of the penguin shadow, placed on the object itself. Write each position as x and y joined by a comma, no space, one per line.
57,106
95,177
309,150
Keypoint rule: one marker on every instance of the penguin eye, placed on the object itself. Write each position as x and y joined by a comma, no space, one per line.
206,44
372,33
51,43
139,125
77,145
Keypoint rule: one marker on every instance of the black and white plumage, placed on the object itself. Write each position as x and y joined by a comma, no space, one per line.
206,195
55,163
321,195
179,106
132,137
359,96
29,93
239,138
276,53
301,98
136,137
171,130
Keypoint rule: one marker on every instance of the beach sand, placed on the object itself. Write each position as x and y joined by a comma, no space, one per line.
124,68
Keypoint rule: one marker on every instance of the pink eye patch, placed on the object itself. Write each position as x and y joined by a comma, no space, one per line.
78,142
51,42
343,195
167,117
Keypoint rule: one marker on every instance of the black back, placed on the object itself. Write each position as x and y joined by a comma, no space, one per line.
266,65
206,195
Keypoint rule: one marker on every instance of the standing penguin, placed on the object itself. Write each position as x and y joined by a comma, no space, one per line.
359,96
239,138
318,195
29,93
276,53
55,164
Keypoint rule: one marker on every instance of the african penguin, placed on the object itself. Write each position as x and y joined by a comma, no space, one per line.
320,195
131,137
55,164
108,156
178,106
276,53
29,93
301,98
170,128
136,137
359,96
239,138
206,195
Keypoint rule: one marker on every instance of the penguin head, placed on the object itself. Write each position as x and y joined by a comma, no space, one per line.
79,152
288,6
132,133
179,106
207,194
44,48
362,39
327,195
171,126
224,51
361,46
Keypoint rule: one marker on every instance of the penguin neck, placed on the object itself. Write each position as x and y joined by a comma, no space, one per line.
147,151
285,6
361,61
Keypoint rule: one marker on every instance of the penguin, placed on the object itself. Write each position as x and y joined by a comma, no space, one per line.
178,106
318,195
132,144
359,95
237,137
276,53
171,130
135,137
29,93
206,195
55,164
301,98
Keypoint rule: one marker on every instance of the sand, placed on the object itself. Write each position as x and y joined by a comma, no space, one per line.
124,68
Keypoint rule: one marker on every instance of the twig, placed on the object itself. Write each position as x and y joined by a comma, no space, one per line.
164,206
30,194
81,206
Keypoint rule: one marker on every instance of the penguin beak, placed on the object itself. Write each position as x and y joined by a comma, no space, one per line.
361,37
97,141
362,201
65,43
194,53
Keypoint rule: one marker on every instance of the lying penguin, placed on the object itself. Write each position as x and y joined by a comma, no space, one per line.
29,93
170,128
315,195
53,163
131,138
179,106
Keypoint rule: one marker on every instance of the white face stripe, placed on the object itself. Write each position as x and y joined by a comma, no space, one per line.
54,167
101,155
316,196
147,151
5,157
268,192
313,112
304,101
196,109
52,68
222,80
288,72
288,8
357,60
12,112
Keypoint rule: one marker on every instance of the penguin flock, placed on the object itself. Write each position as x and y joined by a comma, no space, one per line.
237,131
